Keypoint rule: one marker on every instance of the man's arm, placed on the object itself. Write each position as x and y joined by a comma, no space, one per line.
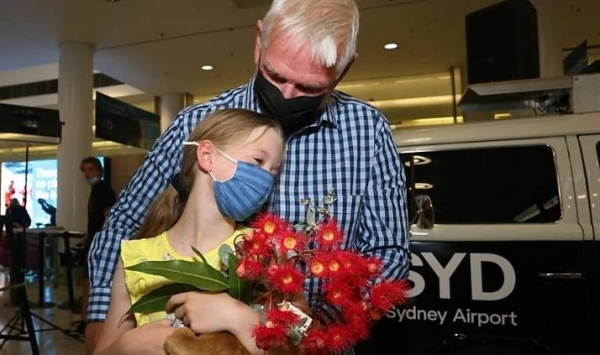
383,226
126,216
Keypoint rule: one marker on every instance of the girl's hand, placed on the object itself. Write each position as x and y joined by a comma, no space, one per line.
207,312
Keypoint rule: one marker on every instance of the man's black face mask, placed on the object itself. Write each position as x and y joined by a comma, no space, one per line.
292,114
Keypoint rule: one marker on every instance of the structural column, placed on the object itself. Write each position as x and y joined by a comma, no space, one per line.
170,105
75,103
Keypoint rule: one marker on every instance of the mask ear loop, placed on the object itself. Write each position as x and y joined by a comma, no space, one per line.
212,176
192,143
227,156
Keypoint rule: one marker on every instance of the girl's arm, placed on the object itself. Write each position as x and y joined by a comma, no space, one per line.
217,312
119,334
114,327
210,313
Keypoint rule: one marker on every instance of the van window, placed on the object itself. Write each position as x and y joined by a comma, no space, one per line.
487,185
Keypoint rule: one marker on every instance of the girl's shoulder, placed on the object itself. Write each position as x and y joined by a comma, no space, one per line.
134,251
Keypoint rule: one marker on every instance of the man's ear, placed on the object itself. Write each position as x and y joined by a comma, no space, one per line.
204,155
258,43
347,68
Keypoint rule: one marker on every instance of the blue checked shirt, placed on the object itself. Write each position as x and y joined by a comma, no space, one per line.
350,149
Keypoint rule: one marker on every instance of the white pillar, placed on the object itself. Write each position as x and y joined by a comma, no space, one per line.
75,103
170,105
549,38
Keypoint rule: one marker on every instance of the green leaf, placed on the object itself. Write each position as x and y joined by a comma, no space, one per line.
294,336
200,275
310,216
199,254
238,288
156,300
305,201
224,252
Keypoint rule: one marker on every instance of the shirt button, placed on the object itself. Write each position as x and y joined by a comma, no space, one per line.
282,190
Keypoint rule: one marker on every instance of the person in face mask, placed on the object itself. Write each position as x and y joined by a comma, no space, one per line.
302,50
227,172
293,114
102,197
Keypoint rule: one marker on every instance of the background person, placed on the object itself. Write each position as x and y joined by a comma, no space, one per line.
9,193
20,221
303,48
49,209
19,215
102,197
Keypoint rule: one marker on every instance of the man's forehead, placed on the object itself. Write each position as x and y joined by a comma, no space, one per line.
321,79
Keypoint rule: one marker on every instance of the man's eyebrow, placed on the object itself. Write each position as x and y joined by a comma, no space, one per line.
311,88
272,72
306,87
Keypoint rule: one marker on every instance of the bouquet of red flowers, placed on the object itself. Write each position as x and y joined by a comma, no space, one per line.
269,268
279,258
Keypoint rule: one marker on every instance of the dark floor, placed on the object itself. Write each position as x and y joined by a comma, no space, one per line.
51,341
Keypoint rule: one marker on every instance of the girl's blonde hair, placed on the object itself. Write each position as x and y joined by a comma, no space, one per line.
223,128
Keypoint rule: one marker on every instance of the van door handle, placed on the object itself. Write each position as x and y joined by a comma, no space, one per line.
561,275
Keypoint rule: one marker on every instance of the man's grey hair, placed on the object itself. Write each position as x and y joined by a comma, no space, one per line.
330,27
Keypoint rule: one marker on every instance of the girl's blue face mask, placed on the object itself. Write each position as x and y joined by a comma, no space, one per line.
245,192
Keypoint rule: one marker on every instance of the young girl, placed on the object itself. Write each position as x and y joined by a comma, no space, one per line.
228,168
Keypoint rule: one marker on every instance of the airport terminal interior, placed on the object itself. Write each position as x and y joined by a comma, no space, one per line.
156,57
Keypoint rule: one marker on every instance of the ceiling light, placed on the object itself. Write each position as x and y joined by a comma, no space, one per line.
391,46
423,186
421,160
418,160
499,116
207,67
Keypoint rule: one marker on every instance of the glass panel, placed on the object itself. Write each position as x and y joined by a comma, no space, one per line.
29,177
488,185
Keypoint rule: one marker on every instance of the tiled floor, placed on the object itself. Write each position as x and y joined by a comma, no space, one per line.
51,341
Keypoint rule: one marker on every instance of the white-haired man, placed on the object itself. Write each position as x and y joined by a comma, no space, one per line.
303,50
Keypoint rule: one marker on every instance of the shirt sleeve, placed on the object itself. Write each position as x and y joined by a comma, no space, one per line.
126,216
383,228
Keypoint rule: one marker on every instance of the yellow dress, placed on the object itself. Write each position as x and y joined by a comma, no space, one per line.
156,249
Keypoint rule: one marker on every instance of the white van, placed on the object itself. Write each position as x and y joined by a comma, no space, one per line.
507,260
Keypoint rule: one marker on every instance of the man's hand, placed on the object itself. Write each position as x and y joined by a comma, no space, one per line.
84,240
92,331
